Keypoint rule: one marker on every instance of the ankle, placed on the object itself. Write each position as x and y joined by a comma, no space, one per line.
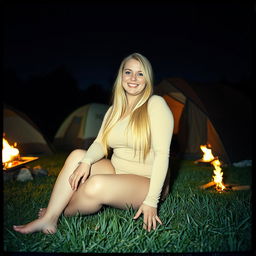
51,218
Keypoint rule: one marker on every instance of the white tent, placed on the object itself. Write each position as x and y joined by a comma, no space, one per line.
81,127
19,128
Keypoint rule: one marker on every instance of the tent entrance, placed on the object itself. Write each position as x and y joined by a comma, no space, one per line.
194,125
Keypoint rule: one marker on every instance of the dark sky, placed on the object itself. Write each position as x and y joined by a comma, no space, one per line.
199,42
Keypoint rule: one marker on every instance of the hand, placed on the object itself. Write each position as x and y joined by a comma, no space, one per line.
82,171
150,216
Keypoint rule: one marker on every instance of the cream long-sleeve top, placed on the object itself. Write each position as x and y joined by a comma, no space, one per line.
123,158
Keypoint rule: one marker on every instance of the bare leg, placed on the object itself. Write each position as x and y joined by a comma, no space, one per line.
103,166
114,190
59,199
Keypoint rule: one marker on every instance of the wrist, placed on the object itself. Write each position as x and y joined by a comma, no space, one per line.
84,163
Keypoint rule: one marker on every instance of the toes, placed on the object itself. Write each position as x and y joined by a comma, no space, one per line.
20,229
49,231
17,227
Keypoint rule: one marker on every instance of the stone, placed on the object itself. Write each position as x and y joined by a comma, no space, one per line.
24,175
39,171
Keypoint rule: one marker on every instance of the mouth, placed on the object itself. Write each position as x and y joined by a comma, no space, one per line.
132,85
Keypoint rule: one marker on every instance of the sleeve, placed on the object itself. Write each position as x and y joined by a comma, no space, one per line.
95,152
161,125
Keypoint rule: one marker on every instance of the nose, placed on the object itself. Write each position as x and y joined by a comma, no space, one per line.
133,77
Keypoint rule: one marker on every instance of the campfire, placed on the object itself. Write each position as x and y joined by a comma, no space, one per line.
11,158
208,156
218,177
217,181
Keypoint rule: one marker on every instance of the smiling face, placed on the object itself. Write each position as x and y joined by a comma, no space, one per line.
133,79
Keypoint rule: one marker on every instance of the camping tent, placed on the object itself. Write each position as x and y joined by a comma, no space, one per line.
81,127
19,128
208,114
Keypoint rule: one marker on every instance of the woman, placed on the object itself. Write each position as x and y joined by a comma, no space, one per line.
138,127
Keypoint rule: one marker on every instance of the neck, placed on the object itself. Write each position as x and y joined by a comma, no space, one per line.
131,101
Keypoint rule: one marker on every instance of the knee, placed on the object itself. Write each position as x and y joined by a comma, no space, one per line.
77,154
93,186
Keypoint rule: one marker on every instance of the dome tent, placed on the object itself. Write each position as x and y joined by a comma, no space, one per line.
208,114
18,127
81,127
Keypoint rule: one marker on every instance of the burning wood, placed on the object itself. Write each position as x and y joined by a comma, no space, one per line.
19,162
218,174
208,157
11,157
217,178
228,187
9,153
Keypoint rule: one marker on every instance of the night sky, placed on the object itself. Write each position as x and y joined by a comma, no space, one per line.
198,42
58,57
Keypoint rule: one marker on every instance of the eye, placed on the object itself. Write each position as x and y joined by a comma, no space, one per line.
140,74
127,72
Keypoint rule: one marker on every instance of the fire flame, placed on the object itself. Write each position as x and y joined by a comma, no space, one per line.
208,156
9,152
217,178
218,174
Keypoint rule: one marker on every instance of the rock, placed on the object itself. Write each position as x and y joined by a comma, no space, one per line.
244,163
39,171
24,175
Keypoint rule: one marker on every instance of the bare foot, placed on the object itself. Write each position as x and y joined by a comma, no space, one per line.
37,225
41,212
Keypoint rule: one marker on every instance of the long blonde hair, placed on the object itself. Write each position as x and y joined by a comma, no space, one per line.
139,121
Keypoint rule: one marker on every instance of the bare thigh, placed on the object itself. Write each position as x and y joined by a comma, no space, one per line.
124,190
116,190
103,166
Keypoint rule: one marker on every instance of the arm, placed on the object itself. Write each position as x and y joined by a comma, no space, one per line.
95,151
92,155
161,124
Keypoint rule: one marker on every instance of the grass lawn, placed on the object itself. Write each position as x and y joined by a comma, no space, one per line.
194,220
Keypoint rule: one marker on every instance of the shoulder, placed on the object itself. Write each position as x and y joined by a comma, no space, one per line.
109,109
155,101
157,105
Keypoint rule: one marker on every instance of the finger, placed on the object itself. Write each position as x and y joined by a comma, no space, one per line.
84,178
76,183
149,223
158,219
154,222
137,214
71,181
145,224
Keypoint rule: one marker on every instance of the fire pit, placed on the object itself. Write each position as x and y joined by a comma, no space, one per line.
11,158
17,163
217,182
227,187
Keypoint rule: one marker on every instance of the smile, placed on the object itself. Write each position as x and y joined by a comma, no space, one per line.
133,85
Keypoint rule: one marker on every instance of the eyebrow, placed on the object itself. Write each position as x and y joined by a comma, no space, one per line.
131,69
